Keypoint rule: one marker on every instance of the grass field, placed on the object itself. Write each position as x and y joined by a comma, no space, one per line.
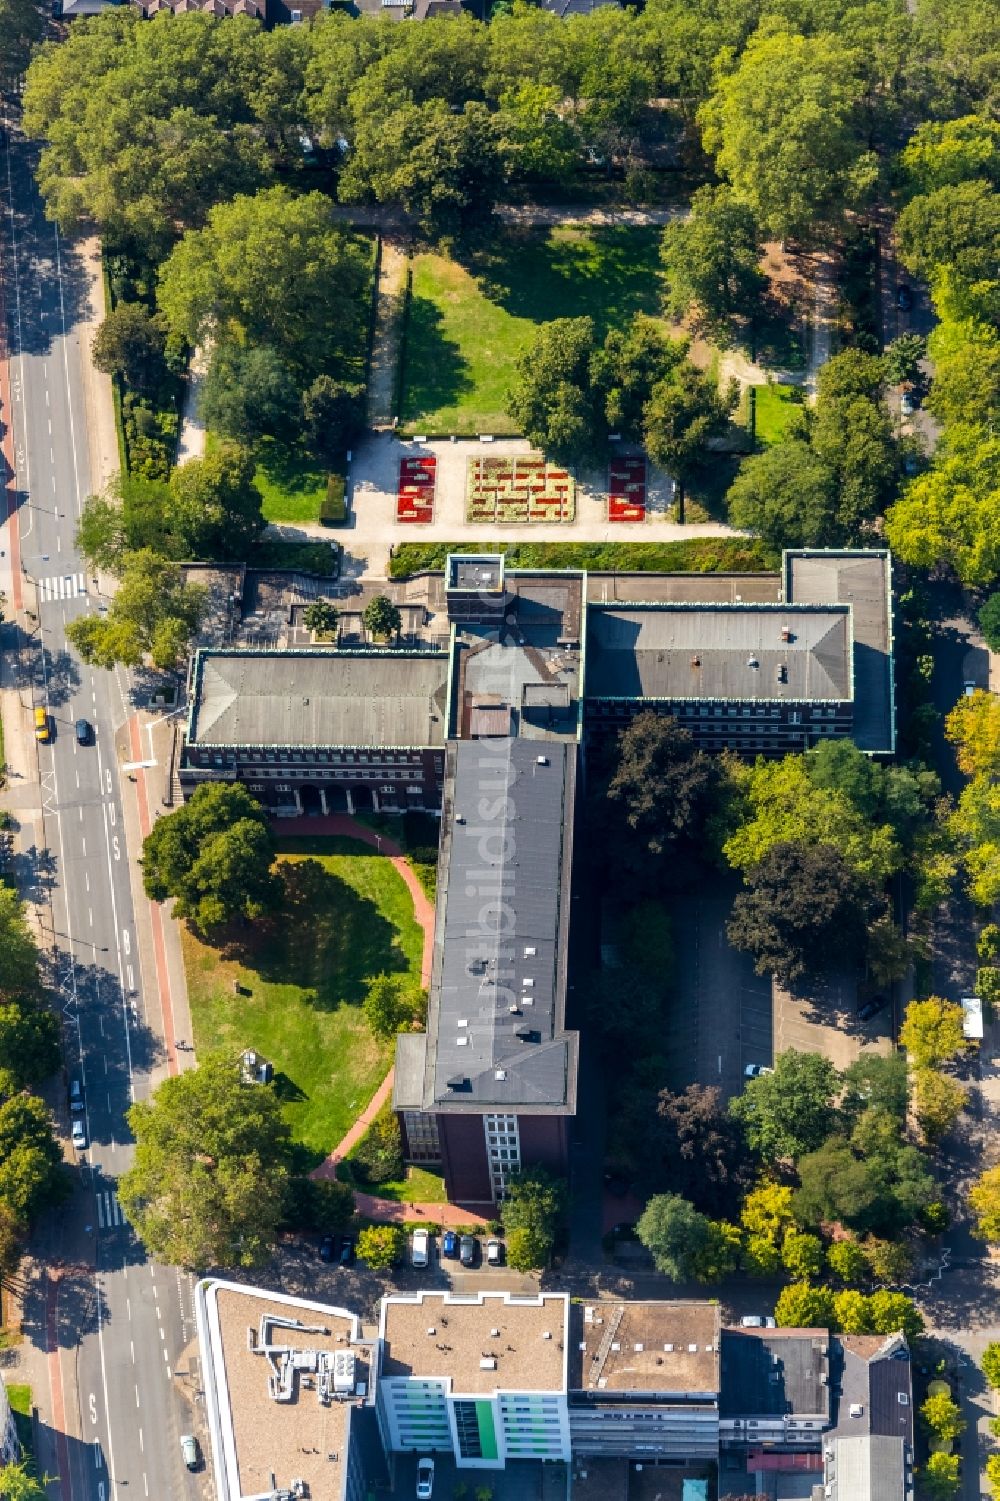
420,1186
292,484
19,1396
468,322
777,405
690,555
348,916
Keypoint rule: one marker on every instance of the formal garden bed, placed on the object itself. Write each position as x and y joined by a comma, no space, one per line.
519,489
627,489
415,489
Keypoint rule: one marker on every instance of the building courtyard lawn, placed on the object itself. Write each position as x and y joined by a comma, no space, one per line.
348,915
292,485
776,408
468,321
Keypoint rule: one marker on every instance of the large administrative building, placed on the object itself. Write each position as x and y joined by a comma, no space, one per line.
484,715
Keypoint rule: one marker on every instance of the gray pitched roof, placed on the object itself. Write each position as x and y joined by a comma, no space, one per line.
319,698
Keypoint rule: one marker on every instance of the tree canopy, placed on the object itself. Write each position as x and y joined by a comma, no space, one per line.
211,1168
674,1233
791,1110
213,855
712,261
153,614
662,784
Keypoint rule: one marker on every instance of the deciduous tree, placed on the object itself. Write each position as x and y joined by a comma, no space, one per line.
938,1101
703,1148
802,1255
984,1199
130,344
802,1306
662,783
553,399
333,414
535,1202
320,616
210,1173
990,1363
932,1031
249,393
215,504
31,1167
847,1261
973,727
942,1416
712,260
951,513
941,1476
790,1111
381,1247
674,1233
381,617
785,495
682,413
153,614
387,1005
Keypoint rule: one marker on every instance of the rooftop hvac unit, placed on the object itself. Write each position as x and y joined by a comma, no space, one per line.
344,1362
488,1363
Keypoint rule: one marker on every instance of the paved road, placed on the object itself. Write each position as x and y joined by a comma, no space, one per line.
136,1320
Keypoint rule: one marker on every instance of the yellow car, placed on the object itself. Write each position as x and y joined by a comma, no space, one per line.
41,725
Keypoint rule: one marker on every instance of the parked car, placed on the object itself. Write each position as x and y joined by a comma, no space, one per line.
757,1321
75,1096
83,732
425,1479
907,404
904,299
327,1248
449,1243
467,1247
969,689
346,1257
189,1450
79,1136
494,1251
42,725
872,1007
420,1248
754,1070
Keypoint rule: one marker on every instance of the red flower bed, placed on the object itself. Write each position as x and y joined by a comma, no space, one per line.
415,492
627,489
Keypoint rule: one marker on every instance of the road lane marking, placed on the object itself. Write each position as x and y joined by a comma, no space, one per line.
131,1345
128,1305
137,1396
90,916
47,401
86,880
84,843
163,1336
168,1373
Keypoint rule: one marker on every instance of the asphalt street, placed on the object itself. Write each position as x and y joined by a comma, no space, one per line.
134,1330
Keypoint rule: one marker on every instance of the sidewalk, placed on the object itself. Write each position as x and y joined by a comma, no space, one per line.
390,306
102,435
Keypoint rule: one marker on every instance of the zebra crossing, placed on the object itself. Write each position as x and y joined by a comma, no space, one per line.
109,1211
61,586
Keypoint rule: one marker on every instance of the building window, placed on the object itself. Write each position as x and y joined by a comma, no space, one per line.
503,1148
422,1141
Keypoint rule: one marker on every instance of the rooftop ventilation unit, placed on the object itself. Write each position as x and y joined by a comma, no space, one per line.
695,661
488,1363
500,1074
541,760
752,662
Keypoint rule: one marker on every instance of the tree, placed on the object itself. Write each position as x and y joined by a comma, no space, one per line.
973,727
975,829
767,1211
535,141
761,1256
803,911
528,1249
18,951
894,1313
712,260
836,1185
720,1255
785,496
320,616
674,1233
213,855
888,1260
31,1166
989,621
956,230
901,360
22,25
322,1204
854,437
984,1199
210,1174
386,1008
790,1111
944,153
802,1255
381,1247
847,1260
990,1363
942,1416
535,1202
130,344
784,125
663,784
553,400
932,1032
153,613
312,310
333,414
682,413
18,1481
702,1146
951,513
802,1306
378,1156
877,1082
938,1101
248,393
29,1044
992,1469
625,370
966,358
941,1476
215,504
381,618
11,1241
851,1313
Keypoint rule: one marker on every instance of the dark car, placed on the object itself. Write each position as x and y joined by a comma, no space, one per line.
872,1008
449,1243
467,1250
327,1248
83,732
346,1252
904,299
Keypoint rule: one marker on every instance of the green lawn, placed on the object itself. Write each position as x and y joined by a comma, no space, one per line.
348,916
20,1402
776,407
468,322
292,484
420,1186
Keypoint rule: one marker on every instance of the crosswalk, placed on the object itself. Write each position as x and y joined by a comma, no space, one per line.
109,1211
62,586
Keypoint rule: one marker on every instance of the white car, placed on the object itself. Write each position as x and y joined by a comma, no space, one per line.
79,1136
907,404
757,1321
189,1450
754,1070
425,1479
420,1250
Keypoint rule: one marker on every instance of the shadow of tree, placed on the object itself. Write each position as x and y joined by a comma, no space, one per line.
436,373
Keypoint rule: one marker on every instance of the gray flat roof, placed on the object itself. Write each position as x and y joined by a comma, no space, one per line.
768,1373
715,651
319,698
875,1379
864,581
501,931
868,1469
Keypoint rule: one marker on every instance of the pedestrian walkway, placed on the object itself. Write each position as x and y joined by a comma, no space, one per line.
389,308
62,586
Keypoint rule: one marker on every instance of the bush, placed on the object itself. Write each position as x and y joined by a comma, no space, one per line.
989,622
378,1156
381,1246
333,506
942,1416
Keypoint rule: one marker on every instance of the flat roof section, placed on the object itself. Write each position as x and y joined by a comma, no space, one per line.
733,652
868,1469
864,581
774,1372
299,1438
319,698
449,1336
495,1026
668,1348
683,588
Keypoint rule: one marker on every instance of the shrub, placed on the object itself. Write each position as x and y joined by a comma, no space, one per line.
333,506
942,1416
381,1246
378,1156
941,1478
528,1249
